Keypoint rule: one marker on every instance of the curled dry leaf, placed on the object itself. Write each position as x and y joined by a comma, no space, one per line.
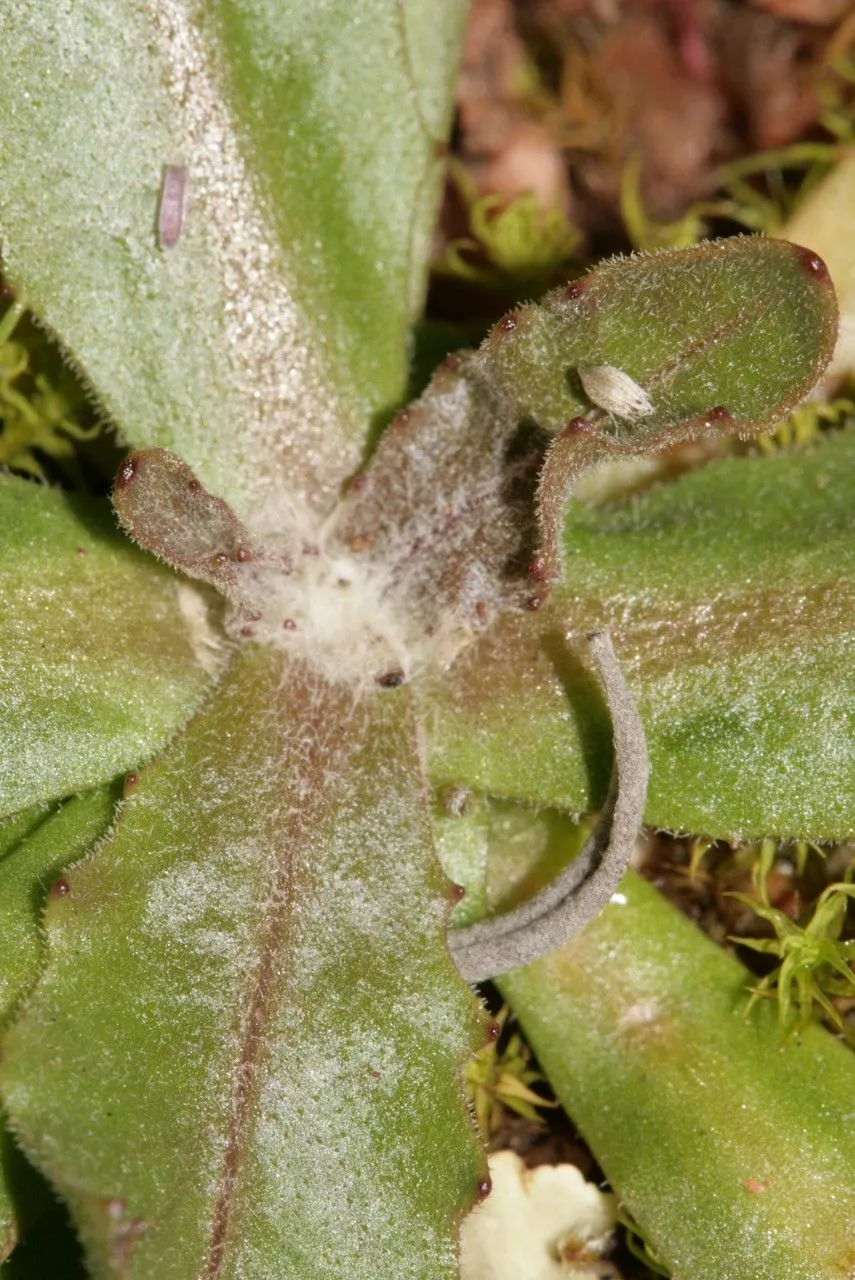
580,892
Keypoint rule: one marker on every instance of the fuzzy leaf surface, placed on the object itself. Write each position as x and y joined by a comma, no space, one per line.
97,668
730,596
732,1150
464,501
27,874
247,1041
36,845
261,346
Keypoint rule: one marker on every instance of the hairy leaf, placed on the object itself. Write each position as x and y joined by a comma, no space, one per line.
17,826
98,667
734,1152
730,597
165,509
257,323
245,1049
28,873
43,843
643,352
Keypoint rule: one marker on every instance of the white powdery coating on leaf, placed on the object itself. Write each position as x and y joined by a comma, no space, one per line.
185,904
341,614
282,385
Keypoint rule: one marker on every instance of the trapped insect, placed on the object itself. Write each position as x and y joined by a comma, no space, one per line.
173,205
615,391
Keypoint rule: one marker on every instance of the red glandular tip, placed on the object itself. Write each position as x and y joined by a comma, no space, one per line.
718,416
391,679
537,568
126,473
577,427
574,290
493,1030
485,1186
60,888
508,324
813,264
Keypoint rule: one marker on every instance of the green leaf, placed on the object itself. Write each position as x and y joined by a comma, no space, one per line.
734,1152
730,598
264,343
44,844
473,478
822,222
245,1052
28,872
8,1216
99,667
17,826
500,853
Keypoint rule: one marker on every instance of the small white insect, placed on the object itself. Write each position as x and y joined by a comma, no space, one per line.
173,205
615,391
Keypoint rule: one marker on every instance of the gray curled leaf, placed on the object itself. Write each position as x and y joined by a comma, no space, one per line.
561,910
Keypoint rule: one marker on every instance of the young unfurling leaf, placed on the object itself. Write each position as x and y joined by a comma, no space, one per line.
465,498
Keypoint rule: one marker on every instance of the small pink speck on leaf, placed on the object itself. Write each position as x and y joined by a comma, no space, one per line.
755,1187
173,205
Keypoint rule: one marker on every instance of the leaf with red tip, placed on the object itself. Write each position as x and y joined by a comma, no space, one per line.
166,510
466,495
246,1047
